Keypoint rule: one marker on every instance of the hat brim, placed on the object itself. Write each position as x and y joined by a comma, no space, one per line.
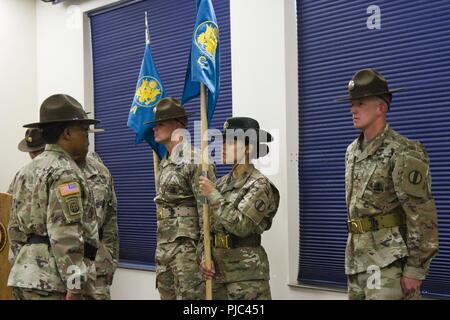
42,124
96,130
263,135
188,114
348,98
25,148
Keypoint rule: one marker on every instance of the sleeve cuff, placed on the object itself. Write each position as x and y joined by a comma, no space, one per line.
75,291
414,273
214,197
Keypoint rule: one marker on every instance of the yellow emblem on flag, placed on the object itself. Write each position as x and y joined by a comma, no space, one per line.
148,92
206,38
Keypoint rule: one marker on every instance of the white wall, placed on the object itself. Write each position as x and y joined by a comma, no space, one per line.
265,87
259,91
264,70
17,82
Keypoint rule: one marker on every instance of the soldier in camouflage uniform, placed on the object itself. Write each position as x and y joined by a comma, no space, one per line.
53,227
243,204
100,182
393,233
179,207
33,144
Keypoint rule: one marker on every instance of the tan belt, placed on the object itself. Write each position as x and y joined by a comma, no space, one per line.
381,221
168,213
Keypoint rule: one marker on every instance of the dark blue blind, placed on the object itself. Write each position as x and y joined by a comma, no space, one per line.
118,39
412,50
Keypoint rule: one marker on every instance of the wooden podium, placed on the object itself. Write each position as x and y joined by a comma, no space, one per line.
5,206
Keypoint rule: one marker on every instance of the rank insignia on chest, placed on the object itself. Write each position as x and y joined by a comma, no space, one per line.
378,186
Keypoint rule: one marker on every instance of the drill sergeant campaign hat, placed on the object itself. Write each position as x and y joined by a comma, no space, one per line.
368,83
33,141
170,109
60,108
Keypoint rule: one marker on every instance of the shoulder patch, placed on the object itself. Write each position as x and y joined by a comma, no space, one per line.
260,205
74,205
69,189
414,180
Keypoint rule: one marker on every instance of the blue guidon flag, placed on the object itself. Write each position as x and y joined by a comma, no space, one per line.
203,65
149,91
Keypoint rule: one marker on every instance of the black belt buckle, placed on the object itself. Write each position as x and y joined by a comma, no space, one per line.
172,212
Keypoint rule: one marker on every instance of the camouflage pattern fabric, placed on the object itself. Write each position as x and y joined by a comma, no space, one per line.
33,294
51,199
181,279
101,183
15,246
242,290
390,175
177,265
366,286
242,207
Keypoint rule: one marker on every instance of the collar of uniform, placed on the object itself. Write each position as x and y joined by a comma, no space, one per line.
181,150
239,182
90,169
373,145
57,148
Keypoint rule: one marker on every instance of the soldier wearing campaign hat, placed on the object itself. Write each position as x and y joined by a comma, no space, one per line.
243,204
392,219
53,227
179,206
33,143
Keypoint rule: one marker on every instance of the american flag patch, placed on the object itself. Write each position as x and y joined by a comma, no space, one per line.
69,189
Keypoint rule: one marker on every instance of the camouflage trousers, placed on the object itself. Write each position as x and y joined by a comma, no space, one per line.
242,290
34,294
177,271
99,291
363,286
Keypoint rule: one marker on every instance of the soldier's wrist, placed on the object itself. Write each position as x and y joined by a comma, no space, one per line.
214,197
414,273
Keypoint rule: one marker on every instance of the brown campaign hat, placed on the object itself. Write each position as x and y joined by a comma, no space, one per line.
169,109
61,108
33,141
368,83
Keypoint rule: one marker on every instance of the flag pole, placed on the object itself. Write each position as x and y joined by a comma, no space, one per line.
155,165
206,232
155,155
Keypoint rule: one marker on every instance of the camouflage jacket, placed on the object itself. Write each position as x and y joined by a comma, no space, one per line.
242,207
11,254
100,182
391,175
51,198
177,186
